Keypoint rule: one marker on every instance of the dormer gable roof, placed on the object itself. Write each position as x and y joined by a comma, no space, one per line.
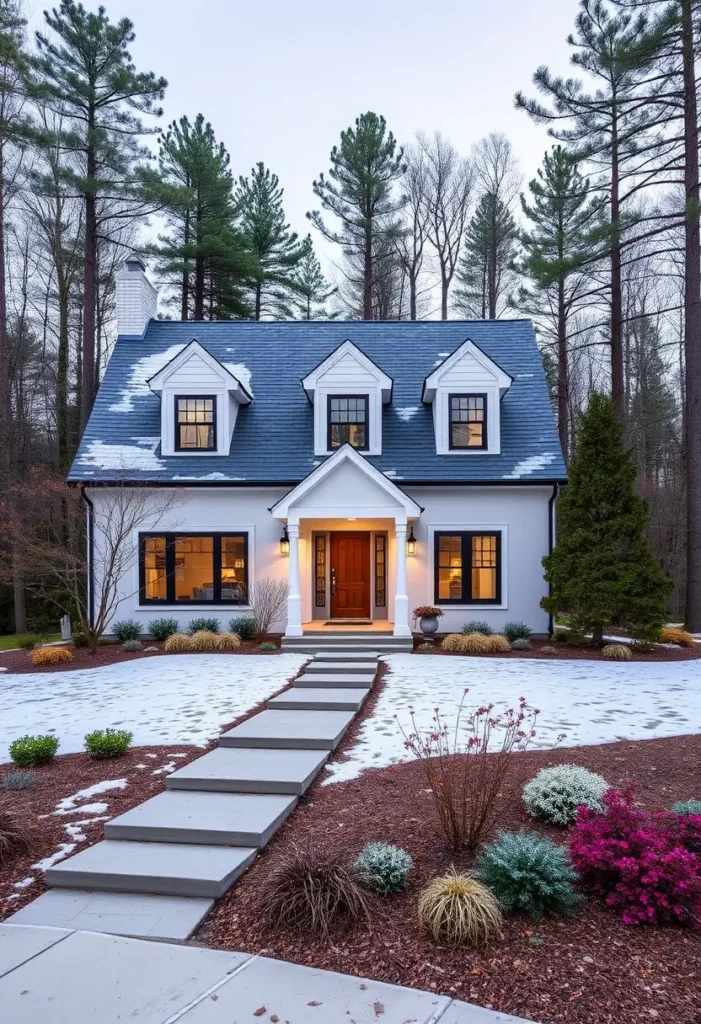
197,351
468,348
348,350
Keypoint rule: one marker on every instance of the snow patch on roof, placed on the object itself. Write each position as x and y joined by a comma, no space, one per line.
122,456
141,373
210,476
525,375
242,374
392,474
530,465
406,412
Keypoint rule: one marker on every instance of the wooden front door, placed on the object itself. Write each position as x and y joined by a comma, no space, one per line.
350,575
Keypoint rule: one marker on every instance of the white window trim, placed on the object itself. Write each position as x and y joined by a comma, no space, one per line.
434,528
374,397
192,532
441,419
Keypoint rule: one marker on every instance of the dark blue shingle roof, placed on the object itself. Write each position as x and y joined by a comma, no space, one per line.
273,439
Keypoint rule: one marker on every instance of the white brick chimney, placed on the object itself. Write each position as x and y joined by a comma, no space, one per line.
137,299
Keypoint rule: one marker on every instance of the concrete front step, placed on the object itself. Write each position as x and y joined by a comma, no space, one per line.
290,730
221,819
116,913
342,657
342,665
390,647
361,680
347,634
240,770
173,869
318,699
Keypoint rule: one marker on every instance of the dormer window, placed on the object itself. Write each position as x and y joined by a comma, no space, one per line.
348,421
468,421
195,423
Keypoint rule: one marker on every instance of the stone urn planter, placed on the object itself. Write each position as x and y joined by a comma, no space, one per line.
428,617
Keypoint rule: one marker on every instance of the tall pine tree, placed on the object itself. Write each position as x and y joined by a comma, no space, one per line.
359,192
485,270
312,291
601,571
273,245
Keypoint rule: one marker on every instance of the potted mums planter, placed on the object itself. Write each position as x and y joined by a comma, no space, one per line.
428,617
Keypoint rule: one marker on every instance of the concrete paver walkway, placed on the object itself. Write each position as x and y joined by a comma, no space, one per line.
74,977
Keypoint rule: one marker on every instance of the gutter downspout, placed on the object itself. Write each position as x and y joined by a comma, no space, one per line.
91,552
551,545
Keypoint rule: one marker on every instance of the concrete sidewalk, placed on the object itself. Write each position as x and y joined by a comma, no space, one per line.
73,977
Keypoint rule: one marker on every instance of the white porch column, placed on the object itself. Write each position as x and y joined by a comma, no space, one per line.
294,589
401,598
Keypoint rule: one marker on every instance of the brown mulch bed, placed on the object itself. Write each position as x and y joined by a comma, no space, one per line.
588,970
562,651
110,654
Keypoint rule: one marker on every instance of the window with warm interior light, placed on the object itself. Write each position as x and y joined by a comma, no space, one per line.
348,421
195,423
194,568
468,421
468,568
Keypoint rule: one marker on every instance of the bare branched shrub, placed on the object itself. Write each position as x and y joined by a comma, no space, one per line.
311,892
268,600
15,837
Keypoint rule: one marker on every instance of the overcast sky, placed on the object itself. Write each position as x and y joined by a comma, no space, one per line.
280,79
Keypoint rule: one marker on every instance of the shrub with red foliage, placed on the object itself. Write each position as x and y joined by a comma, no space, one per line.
646,866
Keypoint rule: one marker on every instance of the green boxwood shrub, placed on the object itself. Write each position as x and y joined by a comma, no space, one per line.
687,807
203,624
80,640
34,749
516,631
131,645
161,629
103,743
129,629
27,643
244,626
267,645
554,794
383,868
475,626
529,874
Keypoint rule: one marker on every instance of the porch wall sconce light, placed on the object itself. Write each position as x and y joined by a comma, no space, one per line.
284,542
411,542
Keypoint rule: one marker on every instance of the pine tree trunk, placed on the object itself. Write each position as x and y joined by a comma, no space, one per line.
492,269
367,271
199,288
5,392
258,301
692,327
62,356
412,295
185,285
563,382
89,297
19,596
444,296
617,376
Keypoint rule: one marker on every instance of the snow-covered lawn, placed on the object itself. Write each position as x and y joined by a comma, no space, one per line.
182,698
592,702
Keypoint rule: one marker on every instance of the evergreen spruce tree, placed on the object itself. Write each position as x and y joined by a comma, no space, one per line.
485,269
273,245
312,289
359,192
203,254
601,571
88,79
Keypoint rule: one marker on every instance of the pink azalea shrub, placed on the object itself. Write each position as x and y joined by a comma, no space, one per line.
646,866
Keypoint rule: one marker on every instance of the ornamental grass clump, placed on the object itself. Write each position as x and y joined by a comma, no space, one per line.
616,652
178,643
676,636
497,644
459,910
43,656
311,892
204,640
516,631
554,794
647,867
161,629
104,743
466,643
15,835
465,788
383,868
29,750
228,642
529,874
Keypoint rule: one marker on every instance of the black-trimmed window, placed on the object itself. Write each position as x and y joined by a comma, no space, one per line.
195,423
468,421
183,568
348,421
468,568
380,570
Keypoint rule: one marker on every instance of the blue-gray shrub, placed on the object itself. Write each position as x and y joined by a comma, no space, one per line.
383,868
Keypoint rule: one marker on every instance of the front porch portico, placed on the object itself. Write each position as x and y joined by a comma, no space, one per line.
346,496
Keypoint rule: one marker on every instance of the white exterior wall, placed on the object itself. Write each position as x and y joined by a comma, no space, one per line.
520,512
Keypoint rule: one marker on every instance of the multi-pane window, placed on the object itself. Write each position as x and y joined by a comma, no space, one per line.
468,568
468,421
348,421
193,568
380,570
320,570
195,424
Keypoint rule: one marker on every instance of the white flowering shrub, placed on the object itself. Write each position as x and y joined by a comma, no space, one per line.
383,868
554,794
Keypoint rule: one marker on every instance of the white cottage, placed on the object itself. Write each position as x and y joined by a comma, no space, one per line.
372,466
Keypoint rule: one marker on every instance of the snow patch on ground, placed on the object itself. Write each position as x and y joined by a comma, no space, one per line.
25,882
592,702
64,850
70,803
122,456
530,465
407,412
141,373
174,699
